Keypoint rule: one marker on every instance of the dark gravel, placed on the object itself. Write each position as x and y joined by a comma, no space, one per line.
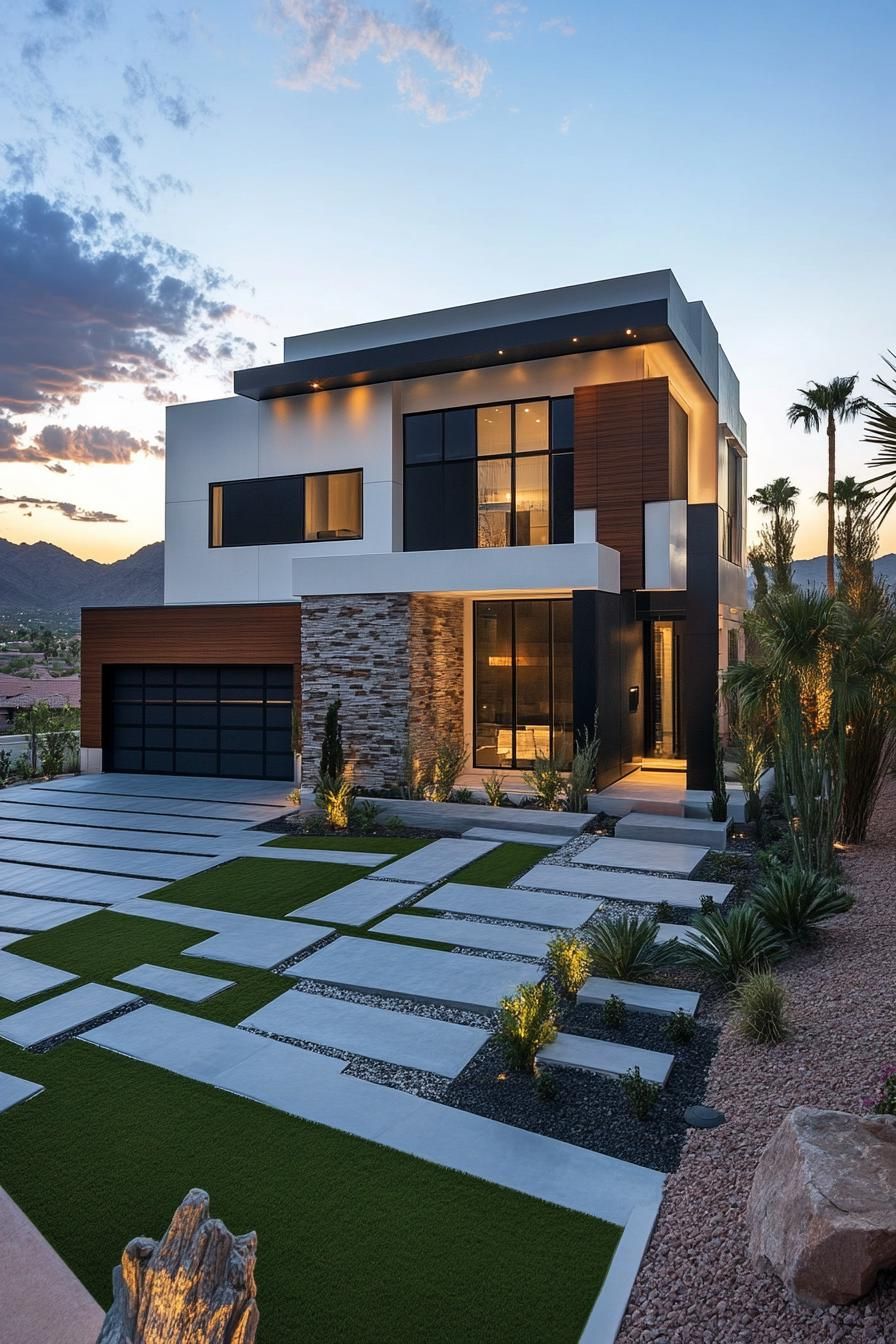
591,1110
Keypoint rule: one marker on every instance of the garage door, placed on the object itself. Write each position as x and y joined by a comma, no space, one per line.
199,720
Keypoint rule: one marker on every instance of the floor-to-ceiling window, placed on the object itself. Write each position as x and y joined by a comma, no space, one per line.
664,736
522,682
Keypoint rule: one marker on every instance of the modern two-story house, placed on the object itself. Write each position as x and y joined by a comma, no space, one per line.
489,523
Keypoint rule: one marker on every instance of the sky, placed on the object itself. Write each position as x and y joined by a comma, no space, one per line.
183,186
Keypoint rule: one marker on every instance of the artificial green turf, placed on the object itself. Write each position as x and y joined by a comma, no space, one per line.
501,866
355,1242
367,844
270,887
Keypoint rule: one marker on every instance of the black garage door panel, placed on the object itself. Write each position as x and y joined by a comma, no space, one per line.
188,720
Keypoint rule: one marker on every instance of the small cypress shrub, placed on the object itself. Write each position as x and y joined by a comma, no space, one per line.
761,1007
527,1020
664,913
640,1094
569,962
332,756
680,1027
613,1012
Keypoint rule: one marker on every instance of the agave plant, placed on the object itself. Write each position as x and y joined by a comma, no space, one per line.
793,901
730,945
625,948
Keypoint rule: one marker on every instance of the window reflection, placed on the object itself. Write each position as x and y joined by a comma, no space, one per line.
494,503
531,501
532,426
493,430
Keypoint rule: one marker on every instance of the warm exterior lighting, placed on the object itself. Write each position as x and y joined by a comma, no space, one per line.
500,352
315,387
575,340
628,331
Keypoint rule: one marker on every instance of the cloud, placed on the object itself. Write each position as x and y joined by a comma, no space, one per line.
333,36
92,443
171,101
560,24
86,304
510,15
73,512
163,396
25,161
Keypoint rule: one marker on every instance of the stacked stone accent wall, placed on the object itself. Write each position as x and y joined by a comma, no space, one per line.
396,662
436,710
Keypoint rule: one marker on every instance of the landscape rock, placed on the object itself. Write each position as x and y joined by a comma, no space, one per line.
195,1286
822,1209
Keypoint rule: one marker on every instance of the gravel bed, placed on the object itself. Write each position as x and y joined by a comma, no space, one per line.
696,1283
433,1011
491,954
324,939
589,1109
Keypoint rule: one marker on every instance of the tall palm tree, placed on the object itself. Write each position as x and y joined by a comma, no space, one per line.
880,429
853,498
831,402
778,500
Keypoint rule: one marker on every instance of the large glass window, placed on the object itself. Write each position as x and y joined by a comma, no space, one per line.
523,682
277,510
489,476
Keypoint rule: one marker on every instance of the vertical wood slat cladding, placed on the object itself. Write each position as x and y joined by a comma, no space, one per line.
262,633
622,462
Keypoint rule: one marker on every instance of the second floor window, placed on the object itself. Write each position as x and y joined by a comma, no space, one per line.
278,510
489,476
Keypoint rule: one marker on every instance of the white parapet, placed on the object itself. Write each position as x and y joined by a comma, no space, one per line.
666,544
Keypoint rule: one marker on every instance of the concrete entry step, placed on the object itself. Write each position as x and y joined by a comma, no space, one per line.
459,817
640,887
641,998
452,978
376,1033
700,831
526,907
584,1052
509,836
649,856
469,933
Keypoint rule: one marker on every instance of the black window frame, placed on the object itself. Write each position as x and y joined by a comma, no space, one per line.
301,477
552,451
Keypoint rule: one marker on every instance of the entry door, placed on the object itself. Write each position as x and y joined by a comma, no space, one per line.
199,720
663,728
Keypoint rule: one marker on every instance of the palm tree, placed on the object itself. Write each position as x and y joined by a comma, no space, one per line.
831,402
880,429
778,499
855,533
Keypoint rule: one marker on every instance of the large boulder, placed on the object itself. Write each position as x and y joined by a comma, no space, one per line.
195,1286
822,1210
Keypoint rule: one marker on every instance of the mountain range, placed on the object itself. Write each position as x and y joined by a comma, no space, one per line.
813,573
39,577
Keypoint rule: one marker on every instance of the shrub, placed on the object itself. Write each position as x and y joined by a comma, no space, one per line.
447,764
335,796
794,902
462,796
640,1094
295,797
545,1086
314,825
625,948
883,1102
395,826
680,1027
718,804
366,815
707,904
613,1012
569,961
583,769
664,913
332,756
760,1003
23,769
5,768
527,1020
730,946
493,785
546,781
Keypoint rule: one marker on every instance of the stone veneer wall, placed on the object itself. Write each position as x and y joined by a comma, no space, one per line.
396,662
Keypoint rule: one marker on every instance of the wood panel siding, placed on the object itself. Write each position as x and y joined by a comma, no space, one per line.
622,462
261,633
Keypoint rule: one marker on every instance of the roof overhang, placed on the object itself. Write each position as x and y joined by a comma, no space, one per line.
540,338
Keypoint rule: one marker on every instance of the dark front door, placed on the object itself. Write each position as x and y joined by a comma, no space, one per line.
199,720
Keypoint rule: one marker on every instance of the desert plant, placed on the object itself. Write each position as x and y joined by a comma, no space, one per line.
332,756
640,1094
448,761
5,768
718,803
295,797
547,782
777,501
707,904
749,744
395,826
625,948
527,1020
414,782
461,795
23,769
883,1101
680,1027
583,769
545,1085
493,785
569,961
334,797
760,1004
366,815
794,901
613,1012
664,913
730,946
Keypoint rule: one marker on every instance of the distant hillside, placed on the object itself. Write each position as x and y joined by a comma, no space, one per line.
41,577
812,573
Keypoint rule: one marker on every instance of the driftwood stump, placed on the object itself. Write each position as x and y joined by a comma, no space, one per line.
195,1286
